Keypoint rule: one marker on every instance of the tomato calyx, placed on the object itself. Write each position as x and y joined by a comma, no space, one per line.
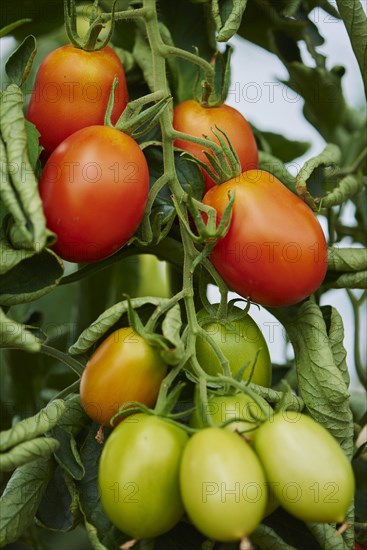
134,120
221,167
90,42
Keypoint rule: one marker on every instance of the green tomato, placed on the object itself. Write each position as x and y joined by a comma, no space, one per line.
307,469
239,341
224,407
223,486
138,476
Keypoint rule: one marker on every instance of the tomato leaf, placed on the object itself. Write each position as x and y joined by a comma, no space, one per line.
267,539
67,455
16,335
33,147
59,507
327,536
321,382
355,21
39,447
106,320
30,279
74,418
21,498
9,28
33,426
227,16
19,189
20,62
347,259
284,148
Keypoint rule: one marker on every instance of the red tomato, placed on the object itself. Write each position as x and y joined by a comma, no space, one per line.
94,188
123,368
191,118
71,92
275,251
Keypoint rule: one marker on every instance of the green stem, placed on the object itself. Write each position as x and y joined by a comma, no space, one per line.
77,367
208,69
139,13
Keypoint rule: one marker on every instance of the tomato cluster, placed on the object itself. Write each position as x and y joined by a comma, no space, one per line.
93,171
223,477
225,485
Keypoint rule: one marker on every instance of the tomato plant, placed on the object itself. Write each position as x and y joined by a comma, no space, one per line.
72,89
138,476
242,343
192,118
224,499
123,368
73,178
298,467
120,196
275,250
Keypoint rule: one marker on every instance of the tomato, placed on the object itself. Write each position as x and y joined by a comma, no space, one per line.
71,92
239,341
224,407
192,118
309,473
138,476
223,486
123,368
275,251
94,188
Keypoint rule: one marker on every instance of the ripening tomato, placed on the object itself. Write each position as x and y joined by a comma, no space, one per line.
192,118
94,189
138,476
223,486
275,251
309,473
123,368
71,92
224,407
239,341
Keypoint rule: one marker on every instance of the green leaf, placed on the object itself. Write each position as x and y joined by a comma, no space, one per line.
284,148
327,536
325,106
195,33
347,280
33,147
106,320
171,329
267,539
59,508
329,157
31,278
39,447
335,330
143,56
33,426
74,417
20,62
21,498
347,259
19,189
228,16
355,21
276,167
321,382
16,335
9,28
67,454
